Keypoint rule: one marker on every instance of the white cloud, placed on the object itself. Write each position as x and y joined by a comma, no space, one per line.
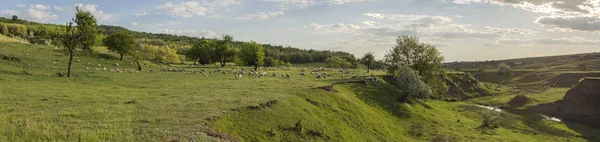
462,31
333,28
552,41
259,16
283,4
375,15
32,14
62,8
510,31
135,24
586,24
340,2
194,8
39,7
143,13
192,33
558,15
21,5
293,3
99,15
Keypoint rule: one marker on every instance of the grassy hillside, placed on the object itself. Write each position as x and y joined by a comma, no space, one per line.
36,105
560,62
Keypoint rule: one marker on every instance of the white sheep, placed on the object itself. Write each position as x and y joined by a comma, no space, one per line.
289,76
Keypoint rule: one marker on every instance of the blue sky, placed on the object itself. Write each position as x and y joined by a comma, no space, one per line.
463,30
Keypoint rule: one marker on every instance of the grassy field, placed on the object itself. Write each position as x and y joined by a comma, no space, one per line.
105,106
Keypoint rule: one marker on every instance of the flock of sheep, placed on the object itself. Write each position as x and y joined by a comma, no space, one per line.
239,73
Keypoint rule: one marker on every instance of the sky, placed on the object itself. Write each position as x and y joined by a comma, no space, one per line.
462,30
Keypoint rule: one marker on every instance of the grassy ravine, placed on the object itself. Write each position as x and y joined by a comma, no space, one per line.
104,106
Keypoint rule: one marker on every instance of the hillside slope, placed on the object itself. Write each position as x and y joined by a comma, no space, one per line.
95,105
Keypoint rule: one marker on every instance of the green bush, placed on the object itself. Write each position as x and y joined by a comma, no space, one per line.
409,82
3,29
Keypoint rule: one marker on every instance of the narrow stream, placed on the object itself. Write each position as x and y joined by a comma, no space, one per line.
501,110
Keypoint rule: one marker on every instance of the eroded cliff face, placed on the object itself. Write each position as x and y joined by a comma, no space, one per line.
581,103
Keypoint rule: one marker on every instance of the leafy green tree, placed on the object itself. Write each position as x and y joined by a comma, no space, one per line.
411,84
252,54
87,26
337,62
202,52
368,59
121,42
141,52
70,40
223,51
425,59
15,18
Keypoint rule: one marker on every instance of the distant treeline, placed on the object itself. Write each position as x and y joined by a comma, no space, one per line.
46,33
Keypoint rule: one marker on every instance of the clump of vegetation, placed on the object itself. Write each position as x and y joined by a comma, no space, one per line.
252,54
121,42
368,60
410,82
337,62
423,58
504,69
491,118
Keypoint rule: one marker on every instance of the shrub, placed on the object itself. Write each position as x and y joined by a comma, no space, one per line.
3,29
337,62
410,82
491,118
504,69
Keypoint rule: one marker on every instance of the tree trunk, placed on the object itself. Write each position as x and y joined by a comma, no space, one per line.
139,67
194,62
368,69
223,62
70,61
121,56
255,67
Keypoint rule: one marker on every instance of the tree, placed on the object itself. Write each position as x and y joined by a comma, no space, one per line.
368,59
252,54
202,52
411,84
121,42
139,53
425,59
86,25
337,62
223,52
70,40
15,18
504,69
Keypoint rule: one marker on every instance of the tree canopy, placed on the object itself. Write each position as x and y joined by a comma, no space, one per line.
252,54
121,42
368,60
424,58
87,27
